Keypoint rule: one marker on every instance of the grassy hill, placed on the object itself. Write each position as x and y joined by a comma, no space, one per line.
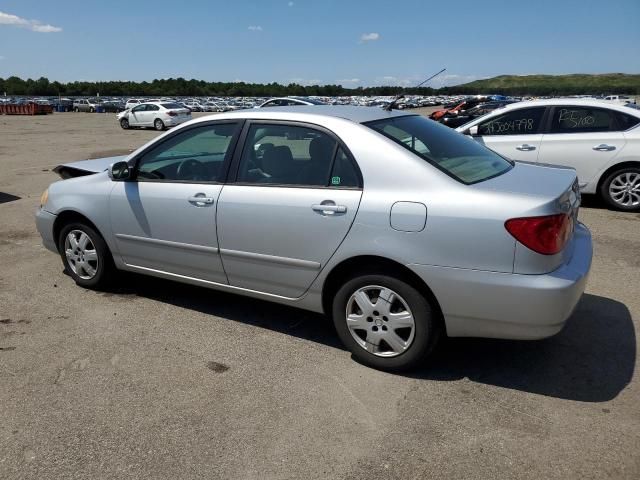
574,84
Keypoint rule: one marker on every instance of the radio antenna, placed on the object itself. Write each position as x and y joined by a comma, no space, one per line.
393,102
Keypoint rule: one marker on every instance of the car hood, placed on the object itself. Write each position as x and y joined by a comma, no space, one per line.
86,167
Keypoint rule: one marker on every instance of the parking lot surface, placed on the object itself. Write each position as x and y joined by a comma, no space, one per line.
162,381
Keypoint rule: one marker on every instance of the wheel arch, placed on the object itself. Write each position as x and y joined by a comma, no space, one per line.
369,264
613,168
67,216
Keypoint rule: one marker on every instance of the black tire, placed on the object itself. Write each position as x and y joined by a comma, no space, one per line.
158,124
426,323
124,123
76,110
92,110
606,196
104,266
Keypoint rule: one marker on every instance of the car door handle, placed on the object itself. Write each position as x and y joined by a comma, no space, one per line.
200,200
603,147
329,209
525,147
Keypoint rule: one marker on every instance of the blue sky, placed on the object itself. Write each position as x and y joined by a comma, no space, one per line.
364,42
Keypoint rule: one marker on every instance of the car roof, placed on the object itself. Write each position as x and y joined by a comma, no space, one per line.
312,112
586,102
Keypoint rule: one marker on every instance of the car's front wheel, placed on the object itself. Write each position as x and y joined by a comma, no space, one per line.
124,123
85,255
158,124
621,189
385,322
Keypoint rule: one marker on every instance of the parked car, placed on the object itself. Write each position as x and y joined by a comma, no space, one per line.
457,107
289,102
194,106
457,118
86,105
601,140
158,115
399,228
132,102
619,99
113,106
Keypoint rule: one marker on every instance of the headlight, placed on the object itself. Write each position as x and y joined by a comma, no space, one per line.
44,197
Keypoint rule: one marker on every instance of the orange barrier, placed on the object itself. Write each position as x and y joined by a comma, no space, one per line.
25,109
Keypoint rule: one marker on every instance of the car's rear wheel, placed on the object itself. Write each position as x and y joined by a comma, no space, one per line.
385,322
85,255
158,124
621,189
124,123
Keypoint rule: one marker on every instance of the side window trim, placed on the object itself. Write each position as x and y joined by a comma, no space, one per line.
614,125
545,117
229,155
234,167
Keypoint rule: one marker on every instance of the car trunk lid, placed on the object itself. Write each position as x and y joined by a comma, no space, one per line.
544,191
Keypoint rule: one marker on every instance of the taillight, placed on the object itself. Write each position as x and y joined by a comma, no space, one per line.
546,235
171,113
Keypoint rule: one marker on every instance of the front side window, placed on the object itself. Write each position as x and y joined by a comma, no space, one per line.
581,119
196,155
516,122
139,108
292,155
460,157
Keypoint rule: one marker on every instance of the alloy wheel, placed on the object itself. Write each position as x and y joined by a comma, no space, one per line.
380,321
624,189
81,254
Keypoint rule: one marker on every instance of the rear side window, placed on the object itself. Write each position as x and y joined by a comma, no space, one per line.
171,106
582,119
295,155
458,156
625,122
515,122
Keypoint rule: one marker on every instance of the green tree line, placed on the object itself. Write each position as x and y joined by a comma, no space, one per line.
506,85
184,87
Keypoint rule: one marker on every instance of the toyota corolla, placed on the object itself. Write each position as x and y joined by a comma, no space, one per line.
400,229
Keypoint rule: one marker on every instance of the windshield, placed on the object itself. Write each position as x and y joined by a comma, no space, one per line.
458,156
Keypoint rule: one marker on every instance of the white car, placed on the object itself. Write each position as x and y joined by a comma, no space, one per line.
601,140
289,102
619,99
132,102
158,115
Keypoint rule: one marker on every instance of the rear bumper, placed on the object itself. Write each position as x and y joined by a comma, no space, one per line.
44,224
512,306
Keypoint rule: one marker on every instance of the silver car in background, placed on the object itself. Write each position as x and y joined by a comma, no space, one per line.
399,228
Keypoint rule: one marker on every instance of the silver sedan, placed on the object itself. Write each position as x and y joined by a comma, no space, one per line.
400,229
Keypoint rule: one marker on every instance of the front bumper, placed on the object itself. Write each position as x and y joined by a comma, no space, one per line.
505,305
44,224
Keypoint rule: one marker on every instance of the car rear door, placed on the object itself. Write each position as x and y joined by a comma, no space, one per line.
164,220
583,137
295,194
515,133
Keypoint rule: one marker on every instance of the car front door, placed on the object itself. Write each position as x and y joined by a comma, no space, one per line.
136,117
515,134
294,198
164,219
585,138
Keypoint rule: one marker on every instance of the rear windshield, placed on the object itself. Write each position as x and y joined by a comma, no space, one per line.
171,106
458,156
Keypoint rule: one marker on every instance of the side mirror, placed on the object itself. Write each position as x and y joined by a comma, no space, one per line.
119,171
473,131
